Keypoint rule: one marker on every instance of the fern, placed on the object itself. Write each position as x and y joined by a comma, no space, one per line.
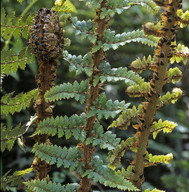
67,91
61,126
10,105
43,186
9,136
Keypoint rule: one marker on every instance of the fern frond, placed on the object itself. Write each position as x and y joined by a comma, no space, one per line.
183,17
11,61
113,40
181,54
174,75
10,105
12,25
102,174
169,97
79,64
138,90
44,186
9,136
106,108
125,173
54,154
120,6
118,74
146,63
114,156
128,115
165,126
152,160
154,190
62,6
13,180
106,140
78,91
68,126
85,29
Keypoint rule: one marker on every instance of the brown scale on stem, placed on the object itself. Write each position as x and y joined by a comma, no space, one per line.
97,57
162,54
46,40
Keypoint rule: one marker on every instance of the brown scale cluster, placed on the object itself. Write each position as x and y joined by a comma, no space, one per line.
46,35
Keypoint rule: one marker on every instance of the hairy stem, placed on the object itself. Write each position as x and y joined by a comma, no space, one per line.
97,57
162,54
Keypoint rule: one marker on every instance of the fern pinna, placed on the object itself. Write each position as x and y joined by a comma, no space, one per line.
166,51
87,128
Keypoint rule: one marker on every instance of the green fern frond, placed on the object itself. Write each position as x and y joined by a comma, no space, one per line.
12,25
9,136
174,75
113,40
124,120
102,174
146,63
11,61
119,74
78,91
68,126
85,29
169,97
165,126
13,180
120,6
114,156
62,6
79,64
54,154
44,186
126,173
152,160
106,140
106,108
138,90
10,105
154,190
181,54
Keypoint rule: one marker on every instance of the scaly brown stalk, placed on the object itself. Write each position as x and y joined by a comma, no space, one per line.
47,44
97,57
162,54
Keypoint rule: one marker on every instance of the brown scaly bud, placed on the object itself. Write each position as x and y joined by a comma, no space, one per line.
46,35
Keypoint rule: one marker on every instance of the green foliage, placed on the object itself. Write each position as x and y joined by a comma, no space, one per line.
146,63
113,40
128,115
119,6
181,54
165,126
156,159
63,6
13,180
169,97
53,154
119,74
175,181
43,186
13,59
106,108
67,91
106,140
174,75
9,136
79,64
102,174
10,104
115,155
138,90
68,126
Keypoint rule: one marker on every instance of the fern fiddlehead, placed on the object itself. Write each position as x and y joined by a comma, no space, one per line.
47,44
